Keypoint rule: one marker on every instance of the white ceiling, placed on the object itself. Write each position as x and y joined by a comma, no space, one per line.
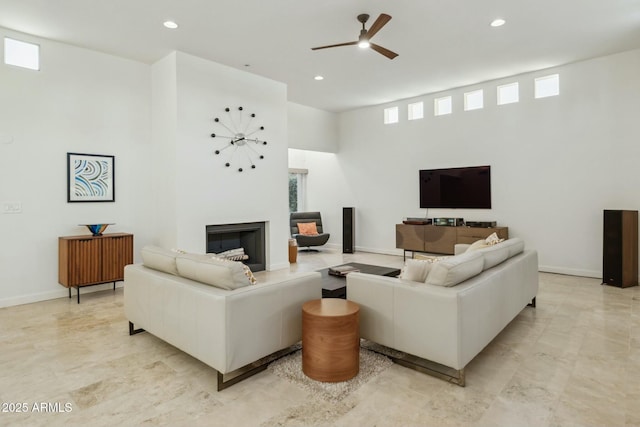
441,44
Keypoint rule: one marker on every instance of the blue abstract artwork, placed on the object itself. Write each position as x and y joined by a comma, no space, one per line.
90,178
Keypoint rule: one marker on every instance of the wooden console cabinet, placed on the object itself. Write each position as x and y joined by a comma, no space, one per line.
92,260
441,239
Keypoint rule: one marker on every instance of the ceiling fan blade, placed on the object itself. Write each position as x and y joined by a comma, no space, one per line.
384,51
334,45
376,26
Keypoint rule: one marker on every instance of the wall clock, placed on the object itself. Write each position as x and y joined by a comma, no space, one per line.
239,145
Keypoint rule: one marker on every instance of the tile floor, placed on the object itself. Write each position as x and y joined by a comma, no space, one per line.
572,361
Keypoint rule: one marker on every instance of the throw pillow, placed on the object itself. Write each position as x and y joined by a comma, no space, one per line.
430,258
241,272
493,239
308,228
479,244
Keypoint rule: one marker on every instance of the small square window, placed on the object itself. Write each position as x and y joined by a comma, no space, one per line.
415,110
474,100
508,94
21,54
442,106
390,115
547,86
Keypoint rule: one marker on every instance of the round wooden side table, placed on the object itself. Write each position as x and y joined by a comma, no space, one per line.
330,339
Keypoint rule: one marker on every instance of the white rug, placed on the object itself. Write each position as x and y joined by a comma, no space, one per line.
290,368
327,401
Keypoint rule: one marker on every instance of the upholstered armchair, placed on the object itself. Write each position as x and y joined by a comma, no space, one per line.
308,240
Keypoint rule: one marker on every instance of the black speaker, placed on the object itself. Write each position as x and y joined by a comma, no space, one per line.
620,248
348,230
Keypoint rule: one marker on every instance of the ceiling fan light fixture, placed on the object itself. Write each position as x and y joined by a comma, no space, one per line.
498,22
366,35
318,77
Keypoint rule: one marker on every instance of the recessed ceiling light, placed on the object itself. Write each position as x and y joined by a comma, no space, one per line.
498,22
319,78
170,24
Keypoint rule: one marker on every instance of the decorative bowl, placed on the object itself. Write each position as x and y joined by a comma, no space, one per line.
96,229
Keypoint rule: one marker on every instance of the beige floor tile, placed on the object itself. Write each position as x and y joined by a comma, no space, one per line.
572,361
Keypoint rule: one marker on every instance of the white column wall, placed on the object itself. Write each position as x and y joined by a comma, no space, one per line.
207,191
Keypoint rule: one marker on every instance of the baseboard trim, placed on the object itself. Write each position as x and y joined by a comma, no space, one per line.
49,295
569,271
395,252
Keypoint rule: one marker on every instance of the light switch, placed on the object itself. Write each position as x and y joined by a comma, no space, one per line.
11,207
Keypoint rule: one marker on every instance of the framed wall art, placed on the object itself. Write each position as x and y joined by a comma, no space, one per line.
90,178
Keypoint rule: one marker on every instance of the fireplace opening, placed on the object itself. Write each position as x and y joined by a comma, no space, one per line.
250,237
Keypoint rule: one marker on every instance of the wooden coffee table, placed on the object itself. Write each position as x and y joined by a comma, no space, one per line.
330,339
336,286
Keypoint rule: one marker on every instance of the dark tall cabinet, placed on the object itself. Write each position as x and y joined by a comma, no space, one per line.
620,248
348,230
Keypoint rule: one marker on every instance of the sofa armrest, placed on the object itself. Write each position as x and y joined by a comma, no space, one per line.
460,248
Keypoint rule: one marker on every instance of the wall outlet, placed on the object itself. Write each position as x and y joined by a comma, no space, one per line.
11,207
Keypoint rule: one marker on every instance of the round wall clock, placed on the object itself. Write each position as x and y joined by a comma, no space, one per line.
239,144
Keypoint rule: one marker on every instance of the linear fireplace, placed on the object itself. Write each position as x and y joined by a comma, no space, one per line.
248,236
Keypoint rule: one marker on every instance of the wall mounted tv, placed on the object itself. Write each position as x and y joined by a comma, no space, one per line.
468,188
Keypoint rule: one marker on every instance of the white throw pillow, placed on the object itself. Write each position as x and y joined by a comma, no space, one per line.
454,270
479,244
493,239
159,259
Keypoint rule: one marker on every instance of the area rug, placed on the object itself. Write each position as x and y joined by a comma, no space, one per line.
290,368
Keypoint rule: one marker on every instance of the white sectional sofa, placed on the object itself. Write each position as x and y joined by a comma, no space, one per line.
463,303
227,329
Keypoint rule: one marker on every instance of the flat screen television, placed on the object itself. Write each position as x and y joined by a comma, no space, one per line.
466,188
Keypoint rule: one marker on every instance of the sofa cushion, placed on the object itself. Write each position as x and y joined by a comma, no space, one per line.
515,245
214,271
456,269
159,259
494,255
416,270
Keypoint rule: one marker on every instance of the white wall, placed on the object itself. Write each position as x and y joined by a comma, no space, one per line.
328,190
312,129
80,101
556,162
156,121
207,191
